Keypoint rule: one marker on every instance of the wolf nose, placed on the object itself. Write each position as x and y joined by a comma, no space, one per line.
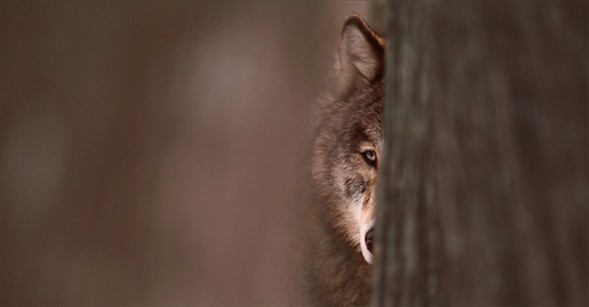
369,240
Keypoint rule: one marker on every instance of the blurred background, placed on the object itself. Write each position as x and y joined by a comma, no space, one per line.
158,152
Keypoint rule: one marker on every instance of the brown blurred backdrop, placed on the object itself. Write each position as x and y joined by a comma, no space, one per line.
157,152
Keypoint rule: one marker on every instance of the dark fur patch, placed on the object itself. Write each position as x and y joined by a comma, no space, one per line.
354,185
358,134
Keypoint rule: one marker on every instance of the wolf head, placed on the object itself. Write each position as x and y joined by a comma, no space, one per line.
349,142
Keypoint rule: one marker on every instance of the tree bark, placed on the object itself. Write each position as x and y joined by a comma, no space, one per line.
483,193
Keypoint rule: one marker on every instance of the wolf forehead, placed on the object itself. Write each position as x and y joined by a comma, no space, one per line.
358,117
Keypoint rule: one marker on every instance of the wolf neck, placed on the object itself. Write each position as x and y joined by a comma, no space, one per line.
337,273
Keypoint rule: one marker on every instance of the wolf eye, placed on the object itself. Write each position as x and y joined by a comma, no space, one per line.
370,157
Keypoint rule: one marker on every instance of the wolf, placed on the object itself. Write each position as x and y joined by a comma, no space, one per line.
345,165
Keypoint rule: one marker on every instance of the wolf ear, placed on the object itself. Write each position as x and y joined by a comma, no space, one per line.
361,52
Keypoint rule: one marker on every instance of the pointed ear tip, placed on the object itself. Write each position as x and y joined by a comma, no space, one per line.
360,23
356,20
355,17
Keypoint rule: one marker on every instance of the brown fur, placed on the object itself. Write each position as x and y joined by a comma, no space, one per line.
345,182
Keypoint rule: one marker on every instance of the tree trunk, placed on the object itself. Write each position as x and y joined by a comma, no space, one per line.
483,196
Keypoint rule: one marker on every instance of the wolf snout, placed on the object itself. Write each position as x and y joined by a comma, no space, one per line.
369,240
